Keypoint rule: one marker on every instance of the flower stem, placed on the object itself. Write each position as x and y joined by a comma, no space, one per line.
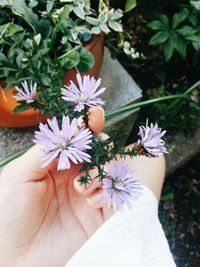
117,112
14,156
187,92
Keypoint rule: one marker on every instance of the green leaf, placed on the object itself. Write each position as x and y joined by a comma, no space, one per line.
37,38
186,31
8,69
159,38
104,28
96,30
19,59
192,38
193,20
2,57
118,14
195,4
165,20
79,12
130,4
21,108
20,8
46,80
13,29
71,60
49,5
86,60
180,45
196,42
33,3
3,29
168,197
169,49
115,26
85,37
179,17
45,27
156,25
64,14
5,3
92,21
102,6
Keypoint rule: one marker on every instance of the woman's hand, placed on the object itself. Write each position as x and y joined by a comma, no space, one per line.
44,215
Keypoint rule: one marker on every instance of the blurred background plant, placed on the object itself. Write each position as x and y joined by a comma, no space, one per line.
164,37
163,52
179,213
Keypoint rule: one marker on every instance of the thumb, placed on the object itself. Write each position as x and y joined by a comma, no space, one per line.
96,119
26,168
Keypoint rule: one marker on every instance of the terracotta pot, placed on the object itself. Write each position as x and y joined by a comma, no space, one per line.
96,47
32,117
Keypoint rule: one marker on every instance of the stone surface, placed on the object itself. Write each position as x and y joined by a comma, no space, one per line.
12,140
181,149
122,90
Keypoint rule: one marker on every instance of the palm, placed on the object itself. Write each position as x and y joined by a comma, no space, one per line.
54,221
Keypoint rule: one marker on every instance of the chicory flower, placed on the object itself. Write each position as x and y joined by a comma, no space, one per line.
86,94
121,185
68,144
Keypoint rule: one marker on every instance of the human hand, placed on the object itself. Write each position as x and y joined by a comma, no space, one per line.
44,219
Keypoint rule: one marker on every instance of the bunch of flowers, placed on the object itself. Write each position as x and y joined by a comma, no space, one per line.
69,139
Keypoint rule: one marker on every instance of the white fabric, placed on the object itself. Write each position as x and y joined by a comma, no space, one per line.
134,238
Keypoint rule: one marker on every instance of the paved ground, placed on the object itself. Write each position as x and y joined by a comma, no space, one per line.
180,213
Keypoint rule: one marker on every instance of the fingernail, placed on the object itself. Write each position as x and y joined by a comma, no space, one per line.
94,199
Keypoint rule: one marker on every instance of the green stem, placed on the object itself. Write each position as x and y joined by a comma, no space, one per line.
14,156
192,88
117,112
187,92
4,30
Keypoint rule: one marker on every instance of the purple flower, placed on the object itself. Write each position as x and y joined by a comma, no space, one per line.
150,139
121,185
26,92
67,144
86,94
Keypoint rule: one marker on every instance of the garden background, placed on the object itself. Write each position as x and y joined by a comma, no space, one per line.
166,34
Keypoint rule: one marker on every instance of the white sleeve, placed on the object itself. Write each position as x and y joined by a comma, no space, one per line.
132,238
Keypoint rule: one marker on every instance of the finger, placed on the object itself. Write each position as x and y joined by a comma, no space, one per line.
26,168
91,186
98,199
96,119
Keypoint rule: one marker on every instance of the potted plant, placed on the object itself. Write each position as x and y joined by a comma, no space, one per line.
47,42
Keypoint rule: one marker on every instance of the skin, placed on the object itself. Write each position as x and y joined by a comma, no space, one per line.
46,216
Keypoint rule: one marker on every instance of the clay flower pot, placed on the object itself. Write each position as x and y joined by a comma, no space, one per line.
33,117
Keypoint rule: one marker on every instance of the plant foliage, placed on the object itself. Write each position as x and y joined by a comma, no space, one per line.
176,34
41,40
